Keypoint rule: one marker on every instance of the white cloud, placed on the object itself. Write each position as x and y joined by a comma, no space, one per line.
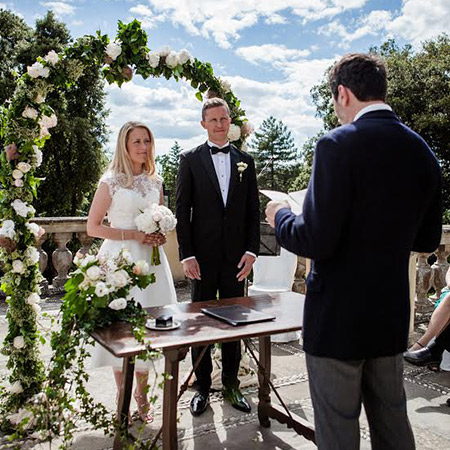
77,23
60,8
270,53
421,20
146,16
225,21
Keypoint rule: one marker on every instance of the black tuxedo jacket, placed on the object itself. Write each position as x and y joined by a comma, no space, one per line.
374,196
206,228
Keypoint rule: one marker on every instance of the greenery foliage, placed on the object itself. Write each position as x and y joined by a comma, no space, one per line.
168,165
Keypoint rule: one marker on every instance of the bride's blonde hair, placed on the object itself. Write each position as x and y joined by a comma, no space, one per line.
121,163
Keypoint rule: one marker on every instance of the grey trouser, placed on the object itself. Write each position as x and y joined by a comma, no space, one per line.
337,389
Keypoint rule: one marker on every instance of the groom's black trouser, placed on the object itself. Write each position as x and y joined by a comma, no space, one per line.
443,340
217,280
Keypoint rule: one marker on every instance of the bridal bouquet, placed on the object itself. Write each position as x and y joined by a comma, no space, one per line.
153,219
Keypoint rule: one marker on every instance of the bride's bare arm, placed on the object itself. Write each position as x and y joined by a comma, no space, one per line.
95,228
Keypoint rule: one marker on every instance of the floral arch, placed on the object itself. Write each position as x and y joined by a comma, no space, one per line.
25,125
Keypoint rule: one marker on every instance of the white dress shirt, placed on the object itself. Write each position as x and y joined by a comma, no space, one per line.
371,108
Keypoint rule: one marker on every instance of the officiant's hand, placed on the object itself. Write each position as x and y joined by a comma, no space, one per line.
271,210
245,264
191,269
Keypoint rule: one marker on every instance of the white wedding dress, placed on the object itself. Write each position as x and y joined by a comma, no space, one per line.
125,206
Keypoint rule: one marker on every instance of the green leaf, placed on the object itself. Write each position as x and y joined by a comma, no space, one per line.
199,96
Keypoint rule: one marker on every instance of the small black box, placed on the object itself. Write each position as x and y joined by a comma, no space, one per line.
164,321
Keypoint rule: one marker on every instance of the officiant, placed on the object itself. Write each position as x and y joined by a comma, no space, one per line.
217,208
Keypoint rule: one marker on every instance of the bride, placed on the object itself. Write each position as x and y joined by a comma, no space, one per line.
130,185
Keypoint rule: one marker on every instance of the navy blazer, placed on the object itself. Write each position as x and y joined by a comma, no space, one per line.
373,197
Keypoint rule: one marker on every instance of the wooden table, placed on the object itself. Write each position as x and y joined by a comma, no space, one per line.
197,329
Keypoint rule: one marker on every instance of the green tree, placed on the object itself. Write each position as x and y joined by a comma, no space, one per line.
168,168
419,93
305,166
275,154
73,157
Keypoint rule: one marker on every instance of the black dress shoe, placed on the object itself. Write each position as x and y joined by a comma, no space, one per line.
237,400
424,356
199,403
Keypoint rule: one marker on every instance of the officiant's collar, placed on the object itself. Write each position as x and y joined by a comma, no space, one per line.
212,144
371,108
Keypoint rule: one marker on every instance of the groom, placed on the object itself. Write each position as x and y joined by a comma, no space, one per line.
217,209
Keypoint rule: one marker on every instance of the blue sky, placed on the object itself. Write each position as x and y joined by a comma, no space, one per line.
271,52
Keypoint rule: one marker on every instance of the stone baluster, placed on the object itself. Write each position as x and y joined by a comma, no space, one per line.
440,268
61,258
424,281
43,262
299,277
86,242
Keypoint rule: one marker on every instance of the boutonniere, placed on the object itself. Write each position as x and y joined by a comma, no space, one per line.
241,166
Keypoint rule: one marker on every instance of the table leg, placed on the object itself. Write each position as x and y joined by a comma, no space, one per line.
263,377
123,407
169,429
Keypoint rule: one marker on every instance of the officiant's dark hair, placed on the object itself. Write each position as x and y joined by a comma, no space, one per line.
214,103
364,74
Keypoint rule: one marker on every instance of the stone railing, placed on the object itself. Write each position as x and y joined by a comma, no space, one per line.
63,230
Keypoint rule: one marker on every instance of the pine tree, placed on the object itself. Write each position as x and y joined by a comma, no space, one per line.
275,154
168,167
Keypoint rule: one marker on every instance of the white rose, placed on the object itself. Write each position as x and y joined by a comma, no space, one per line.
113,50
33,227
29,113
52,57
153,59
16,173
44,132
143,267
16,388
184,56
20,416
32,254
118,304
20,207
165,50
19,342
18,266
234,133
38,70
37,155
18,183
37,309
33,299
41,397
7,229
24,167
93,273
226,86
101,289
127,256
48,122
39,98
87,259
120,278
172,60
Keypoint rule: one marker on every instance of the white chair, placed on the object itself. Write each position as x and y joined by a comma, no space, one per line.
274,274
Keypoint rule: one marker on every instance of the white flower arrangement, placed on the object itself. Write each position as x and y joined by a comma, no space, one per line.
19,342
24,167
184,56
15,388
17,174
39,98
34,228
156,218
241,167
234,133
32,255
33,299
21,208
113,50
18,266
118,304
226,86
37,155
29,113
52,57
164,51
18,183
38,70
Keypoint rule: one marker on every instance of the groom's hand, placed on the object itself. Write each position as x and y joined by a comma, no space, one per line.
191,269
245,264
271,210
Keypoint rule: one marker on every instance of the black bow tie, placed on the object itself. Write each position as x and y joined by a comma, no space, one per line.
215,150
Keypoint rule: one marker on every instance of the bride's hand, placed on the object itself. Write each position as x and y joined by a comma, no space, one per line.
155,239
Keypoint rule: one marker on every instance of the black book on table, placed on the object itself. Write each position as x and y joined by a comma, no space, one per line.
237,315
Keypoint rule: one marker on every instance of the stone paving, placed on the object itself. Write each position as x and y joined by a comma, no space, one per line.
222,427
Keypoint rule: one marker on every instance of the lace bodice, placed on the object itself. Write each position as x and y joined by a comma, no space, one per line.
128,202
